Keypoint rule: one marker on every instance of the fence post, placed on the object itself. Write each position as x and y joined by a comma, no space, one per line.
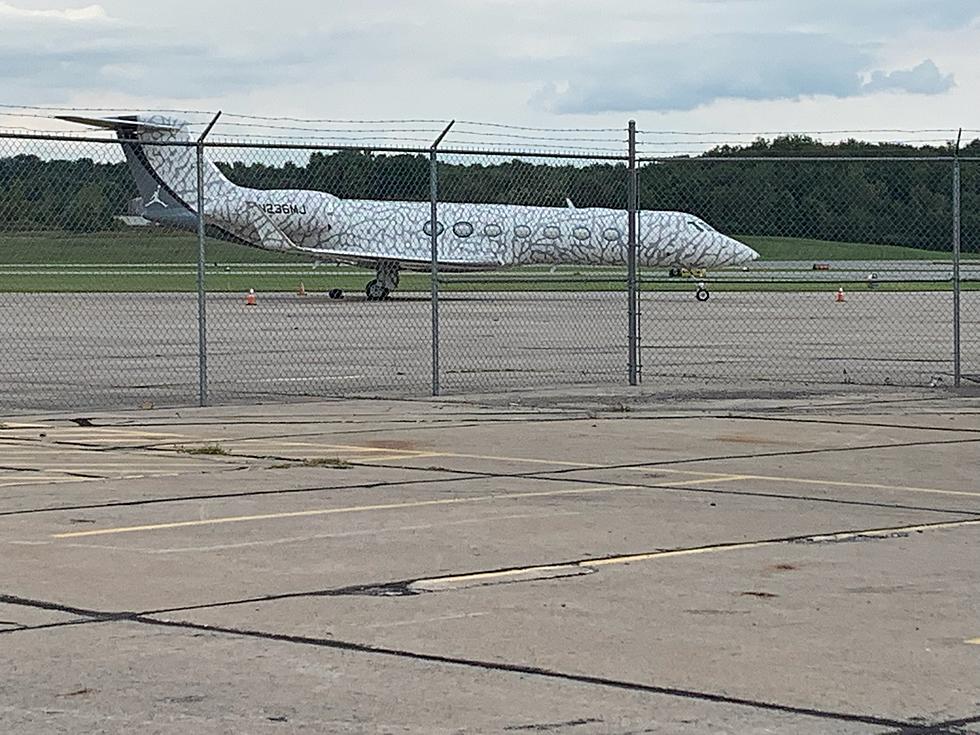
631,257
434,252
202,332
956,262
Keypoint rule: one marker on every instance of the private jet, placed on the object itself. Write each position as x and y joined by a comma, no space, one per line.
392,236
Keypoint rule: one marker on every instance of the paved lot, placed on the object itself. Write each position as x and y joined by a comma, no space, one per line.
448,567
130,350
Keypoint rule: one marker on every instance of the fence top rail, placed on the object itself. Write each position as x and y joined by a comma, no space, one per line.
62,138
818,159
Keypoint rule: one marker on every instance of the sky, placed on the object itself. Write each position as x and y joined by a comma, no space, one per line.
687,65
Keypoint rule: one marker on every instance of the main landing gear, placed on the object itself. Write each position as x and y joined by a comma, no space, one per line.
385,282
702,293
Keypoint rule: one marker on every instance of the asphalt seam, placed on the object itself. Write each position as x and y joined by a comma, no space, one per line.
484,665
399,587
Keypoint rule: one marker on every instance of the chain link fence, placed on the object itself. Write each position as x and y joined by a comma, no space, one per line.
95,310
549,319
856,287
968,308
530,286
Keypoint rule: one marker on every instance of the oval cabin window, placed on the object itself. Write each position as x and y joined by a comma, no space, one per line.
462,229
581,233
493,231
427,228
552,232
522,231
612,234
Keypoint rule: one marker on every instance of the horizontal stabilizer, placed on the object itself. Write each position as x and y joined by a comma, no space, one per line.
111,123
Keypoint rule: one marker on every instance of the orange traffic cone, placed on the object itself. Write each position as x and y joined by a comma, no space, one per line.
250,299
301,291
839,296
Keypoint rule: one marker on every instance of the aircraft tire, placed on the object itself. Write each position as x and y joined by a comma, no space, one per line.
701,294
375,291
335,293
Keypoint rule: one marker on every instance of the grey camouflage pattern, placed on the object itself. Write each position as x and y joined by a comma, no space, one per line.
477,236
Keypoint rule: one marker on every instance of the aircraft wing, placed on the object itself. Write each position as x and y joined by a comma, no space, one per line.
364,258
265,232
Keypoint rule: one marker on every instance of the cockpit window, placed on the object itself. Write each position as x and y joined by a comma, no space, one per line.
699,224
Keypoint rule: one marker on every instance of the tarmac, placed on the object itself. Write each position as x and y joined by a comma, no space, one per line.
561,562
108,351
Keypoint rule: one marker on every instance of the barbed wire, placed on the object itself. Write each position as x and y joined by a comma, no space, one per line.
716,133
471,134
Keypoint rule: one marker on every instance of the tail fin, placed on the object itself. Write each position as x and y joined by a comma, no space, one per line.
165,171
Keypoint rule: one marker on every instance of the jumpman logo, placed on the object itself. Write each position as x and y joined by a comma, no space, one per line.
156,199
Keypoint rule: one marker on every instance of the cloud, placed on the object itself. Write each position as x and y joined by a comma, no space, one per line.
865,17
89,14
53,54
922,79
742,66
684,76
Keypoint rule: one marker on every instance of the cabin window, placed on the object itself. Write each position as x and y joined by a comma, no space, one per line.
581,233
552,232
462,229
522,231
493,231
612,234
427,228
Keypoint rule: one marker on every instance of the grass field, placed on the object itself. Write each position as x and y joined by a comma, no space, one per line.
151,259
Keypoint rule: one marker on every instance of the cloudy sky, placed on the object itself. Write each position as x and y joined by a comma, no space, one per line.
753,65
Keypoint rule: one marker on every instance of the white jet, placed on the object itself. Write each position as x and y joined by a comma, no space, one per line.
391,236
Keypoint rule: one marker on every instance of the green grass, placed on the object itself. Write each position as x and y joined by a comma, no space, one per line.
795,248
130,245
144,260
331,462
207,449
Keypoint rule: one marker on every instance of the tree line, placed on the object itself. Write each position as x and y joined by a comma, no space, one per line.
769,187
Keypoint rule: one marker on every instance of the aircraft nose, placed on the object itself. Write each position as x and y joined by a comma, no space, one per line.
743,253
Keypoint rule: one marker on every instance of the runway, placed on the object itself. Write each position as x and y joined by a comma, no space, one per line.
436,566
130,350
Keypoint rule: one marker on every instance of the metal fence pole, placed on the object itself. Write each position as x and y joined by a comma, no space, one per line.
202,332
434,252
956,263
631,257
202,342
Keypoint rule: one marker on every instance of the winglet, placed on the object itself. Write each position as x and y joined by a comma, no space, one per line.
569,203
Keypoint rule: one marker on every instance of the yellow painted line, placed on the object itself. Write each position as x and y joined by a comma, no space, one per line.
350,509
759,544
869,485
714,549
973,641
544,569
356,448
104,431
767,478
35,480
